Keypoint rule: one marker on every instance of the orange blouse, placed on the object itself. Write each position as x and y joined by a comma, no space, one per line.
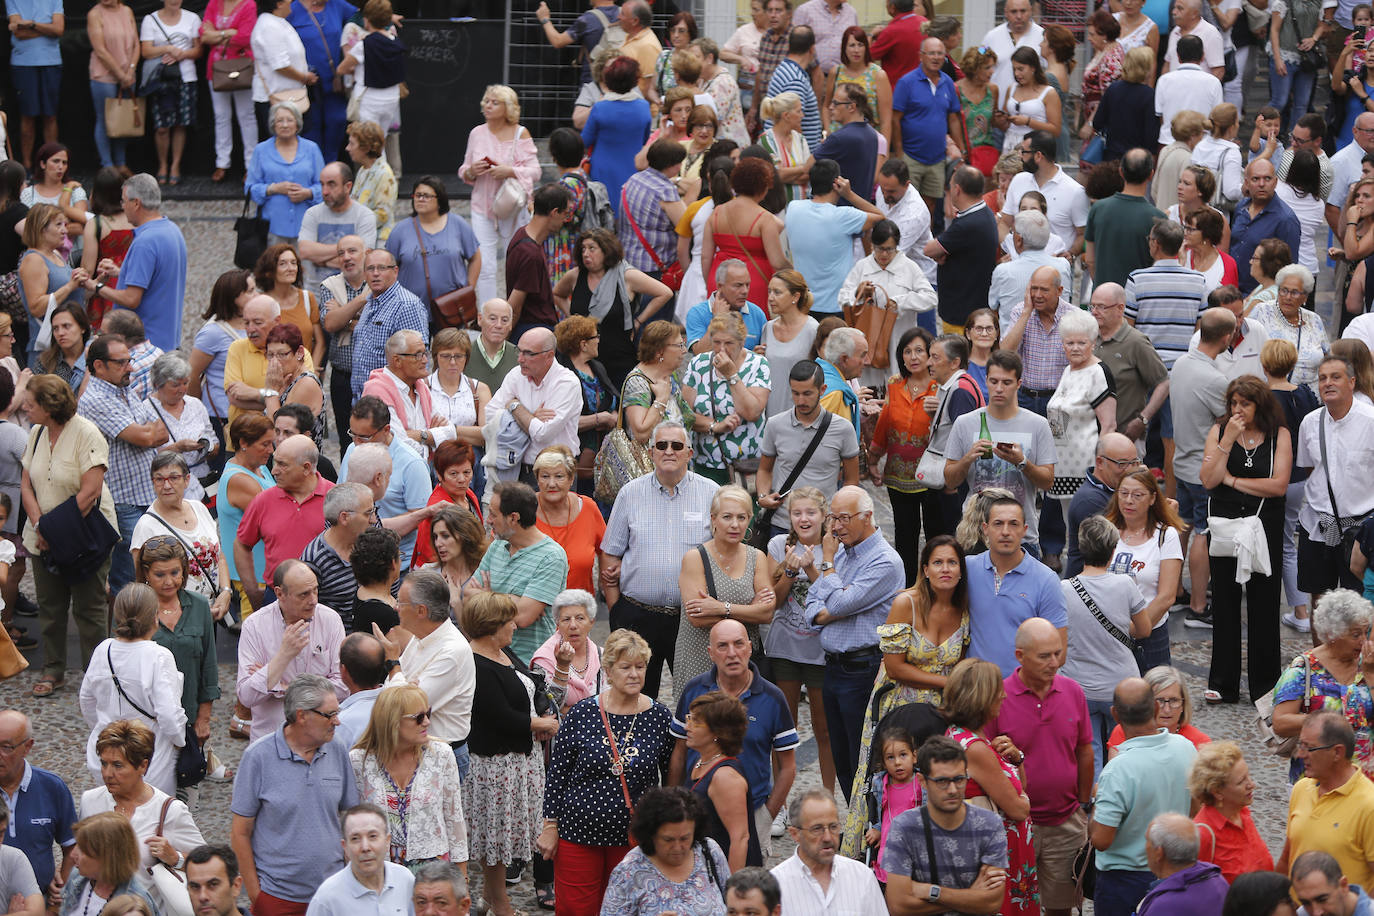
903,432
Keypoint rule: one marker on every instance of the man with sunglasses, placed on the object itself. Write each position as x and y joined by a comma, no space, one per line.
1116,457
1331,808
41,809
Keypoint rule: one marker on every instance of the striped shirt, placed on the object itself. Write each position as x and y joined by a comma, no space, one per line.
790,77
651,527
1041,350
113,410
1164,302
539,571
337,587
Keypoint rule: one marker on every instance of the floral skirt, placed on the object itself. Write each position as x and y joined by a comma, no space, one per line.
174,107
503,800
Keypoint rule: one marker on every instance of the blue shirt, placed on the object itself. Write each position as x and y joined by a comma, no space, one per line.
268,167
394,309
409,489
319,57
790,77
35,52
770,728
1276,221
1147,777
342,894
925,111
1031,589
1363,905
42,812
156,264
859,591
699,318
822,238
854,148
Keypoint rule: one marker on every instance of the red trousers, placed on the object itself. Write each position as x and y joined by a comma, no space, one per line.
267,905
580,876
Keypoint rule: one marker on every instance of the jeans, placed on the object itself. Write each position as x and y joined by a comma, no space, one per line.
1119,892
1101,722
226,105
122,563
492,237
464,760
1297,84
848,686
1154,649
1051,529
111,149
1290,545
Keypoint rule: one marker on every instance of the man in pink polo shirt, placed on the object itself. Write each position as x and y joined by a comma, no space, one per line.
1044,722
286,517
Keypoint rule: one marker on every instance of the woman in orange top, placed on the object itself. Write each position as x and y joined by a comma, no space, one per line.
453,462
902,433
1220,783
572,520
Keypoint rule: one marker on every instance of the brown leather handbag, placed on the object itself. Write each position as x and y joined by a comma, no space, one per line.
875,321
454,309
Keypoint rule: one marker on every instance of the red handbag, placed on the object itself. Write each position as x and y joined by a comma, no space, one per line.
670,275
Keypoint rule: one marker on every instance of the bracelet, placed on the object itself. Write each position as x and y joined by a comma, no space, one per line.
659,406
728,611
543,22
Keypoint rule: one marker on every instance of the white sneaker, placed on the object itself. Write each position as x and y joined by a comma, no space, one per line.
779,824
1301,624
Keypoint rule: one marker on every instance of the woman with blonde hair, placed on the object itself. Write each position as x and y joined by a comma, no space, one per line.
44,272
1222,789
969,531
374,183
128,905
788,336
1278,358
1126,114
1218,151
732,388
786,143
1188,128
572,520
105,865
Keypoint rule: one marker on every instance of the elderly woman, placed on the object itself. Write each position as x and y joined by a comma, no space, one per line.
186,419
652,392
716,723
889,278
1288,318
171,36
574,521
376,565
278,275
105,865
785,142
579,347
44,272
436,251
702,125
65,357
455,397
287,375
617,127
1173,709
1270,256
731,385
374,183
130,676
453,462
682,31
413,778
66,456
675,867
1223,789
500,157
1083,406
210,350
190,524
1126,114
571,661
284,174
613,748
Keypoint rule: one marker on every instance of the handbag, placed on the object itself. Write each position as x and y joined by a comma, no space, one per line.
231,74
251,237
157,74
1309,61
510,197
1222,533
620,460
191,763
297,97
12,661
170,883
1348,536
126,115
454,309
663,271
1114,631
930,470
1264,713
761,528
1094,149
875,322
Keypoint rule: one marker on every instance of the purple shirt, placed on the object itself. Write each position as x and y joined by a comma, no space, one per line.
1198,890
258,642
1048,732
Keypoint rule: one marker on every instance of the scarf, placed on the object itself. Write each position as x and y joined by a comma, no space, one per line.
603,297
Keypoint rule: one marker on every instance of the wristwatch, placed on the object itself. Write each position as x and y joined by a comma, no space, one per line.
512,404
390,665
269,393
826,566
933,893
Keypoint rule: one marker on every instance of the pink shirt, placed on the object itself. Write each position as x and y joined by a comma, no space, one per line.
241,20
1049,732
283,525
261,637
520,153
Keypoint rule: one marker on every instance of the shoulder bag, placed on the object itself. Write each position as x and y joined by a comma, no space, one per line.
1348,536
157,75
510,197
934,876
336,82
617,765
875,321
170,883
454,309
671,274
1264,713
251,237
191,762
231,74
1112,629
761,528
621,458
930,470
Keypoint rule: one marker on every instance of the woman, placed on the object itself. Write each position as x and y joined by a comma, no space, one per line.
676,108
1137,29
1288,318
45,277
1357,239
617,126
54,187
789,335
1292,28
572,520
189,523
503,794
1197,186
273,41
983,331
498,150
104,865
66,457
453,462
1150,552
1188,128
1277,358
1126,114
1059,49
1219,152
1103,69
1032,103
858,67
125,748
457,399
66,355
186,419
283,176
652,392
245,476
127,905
108,235
1173,708
716,723
1356,352
702,125
278,274
675,867
613,751
1261,893
374,183
732,386
571,661
1270,256
787,145
973,695
978,100
903,434
1223,789
13,178
1300,188
691,227
114,68
682,31
1083,406
599,258
743,230
436,251
376,565
223,325
925,637
287,375
143,682
171,36
894,280
1202,233
579,345
413,778
227,32
1245,467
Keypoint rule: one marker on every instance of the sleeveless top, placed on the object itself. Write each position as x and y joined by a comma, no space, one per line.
690,658
460,408
1034,108
114,246
868,80
978,117
618,352
58,274
229,517
318,432
1138,37
747,248
715,827
1257,463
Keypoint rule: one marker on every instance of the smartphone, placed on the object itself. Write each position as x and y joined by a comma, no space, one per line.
1006,444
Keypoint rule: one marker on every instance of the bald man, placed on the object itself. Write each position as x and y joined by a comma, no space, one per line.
1139,375
541,395
1115,457
1261,215
40,805
1185,884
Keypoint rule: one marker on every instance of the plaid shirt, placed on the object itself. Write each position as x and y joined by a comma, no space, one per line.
141,359
558,247
397,308
113,410
340,345
772,49
1041,351
643,192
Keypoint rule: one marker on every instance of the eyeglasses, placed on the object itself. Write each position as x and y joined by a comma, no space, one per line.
947,782
169,478
119,362
840,103
1308,749
531,354
416,354
1189,227
423,715
8,749
820,830
1292,293
452,359
673,444
886,249
325,715
424,196
378,268
359,437
986,329
1123,463
844,518
1100,307
1170,702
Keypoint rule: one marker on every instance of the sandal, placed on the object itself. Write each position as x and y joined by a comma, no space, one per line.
1213,697
47,685
162,178
543,893
239,728
20,639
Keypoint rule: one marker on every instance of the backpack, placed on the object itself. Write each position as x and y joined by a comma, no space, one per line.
596,205
612,35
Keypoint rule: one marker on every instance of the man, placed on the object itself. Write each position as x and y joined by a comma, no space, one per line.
528,290
401,386
404,503
1165,299
1065,198
847,601
213,881
362,668
827,19
1188,23
370,464
897,43
493,354
770,742
772,48
326,223
544,397
369,883
814,879
152,277
41,811
523,563
23,895
846,355
1308,134
292,636
1045,715
1147,777
926,117
651,519
297,420
245,365
1346,169
1187,86
788,436
1020,455
1116,238
1197,400
1016,31
1186,886
852,145
142,352
790,75
1030,235
649,208
293,784
720,84
957,394
585,30
284,517
1115,457
903,204
36,26
1334,443
636,20
348,512
1261,215
1007,586
822,233
441,890
752,891
390,308
134,433
1241,355
1140,376
969,874
1323,890
1331,809
966,251
731,295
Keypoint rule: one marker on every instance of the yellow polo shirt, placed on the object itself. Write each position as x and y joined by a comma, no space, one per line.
246,363
1341,823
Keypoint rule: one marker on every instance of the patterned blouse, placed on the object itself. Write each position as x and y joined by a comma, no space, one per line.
868,80
1358,706
1328,694
714,400
903,432
425,817
1099,75
794,153
375,188
558,247
1309,337
638,888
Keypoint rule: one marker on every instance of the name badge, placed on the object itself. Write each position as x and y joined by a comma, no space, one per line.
692,517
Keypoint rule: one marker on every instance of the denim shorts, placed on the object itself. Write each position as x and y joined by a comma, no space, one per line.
1192,505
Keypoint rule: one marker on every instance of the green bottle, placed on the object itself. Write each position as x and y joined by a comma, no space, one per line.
985,433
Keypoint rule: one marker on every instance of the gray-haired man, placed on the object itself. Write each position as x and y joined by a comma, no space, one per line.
1185,885
731,295
440,890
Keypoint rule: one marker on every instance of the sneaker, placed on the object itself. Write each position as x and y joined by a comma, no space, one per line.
514,871
1184,601
1197,621
1301,624
25,607
779,824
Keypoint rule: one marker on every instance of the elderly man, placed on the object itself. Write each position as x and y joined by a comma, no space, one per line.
731,295
1261,215
245,365
1165,299
1186,887
544,397
337,216
1241,355
403,504
133,431
284,517
142,352
1115,240
348,512
652,518
1140,376
1331,809
1115,457
1017,30
369,883
297,420
213,881
1323,890
441,890
400,384
362,668
1067,201
293,635
966,251
957,394
926,120
493,354
814,879
849,599
897,42
637,20
846,355
390,308
342,297
1030,235
1188,21
1346,169
902,203
39,803
822,233
1147,777
293,784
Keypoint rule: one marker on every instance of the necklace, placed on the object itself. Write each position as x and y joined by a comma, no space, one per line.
720,560
704,762
623,749
1250,452
567,513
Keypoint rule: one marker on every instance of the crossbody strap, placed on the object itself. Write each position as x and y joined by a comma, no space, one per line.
1326,471
930,846
1112,629
625,208
617,767
815,443
424,259
324,41
706,568
109,660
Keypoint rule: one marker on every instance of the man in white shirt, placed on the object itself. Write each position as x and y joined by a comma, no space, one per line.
1188,21
322,226
1346,170
901,203
1065,198
1242,356
815,881
544,397
369,882
1030,234
1017,31
1187,87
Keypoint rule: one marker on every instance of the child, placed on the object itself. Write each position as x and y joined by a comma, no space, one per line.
890,792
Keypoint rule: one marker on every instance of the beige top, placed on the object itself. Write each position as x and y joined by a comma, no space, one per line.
121,39
55,470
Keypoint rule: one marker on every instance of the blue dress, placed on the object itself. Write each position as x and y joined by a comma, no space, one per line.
614,133
268,167
1353,108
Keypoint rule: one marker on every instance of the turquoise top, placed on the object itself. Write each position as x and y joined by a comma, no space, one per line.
229,517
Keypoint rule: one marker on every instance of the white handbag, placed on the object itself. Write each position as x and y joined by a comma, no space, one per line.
930,470
510,198
169,885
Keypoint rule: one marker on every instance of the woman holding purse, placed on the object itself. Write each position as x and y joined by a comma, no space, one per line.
114,69
172,36
227,31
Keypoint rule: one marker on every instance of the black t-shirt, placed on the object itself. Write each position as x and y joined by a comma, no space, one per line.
963,279
854,147
10,245
370,611
527,270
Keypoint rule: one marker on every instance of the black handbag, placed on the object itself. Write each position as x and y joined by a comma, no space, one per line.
251,232
191,762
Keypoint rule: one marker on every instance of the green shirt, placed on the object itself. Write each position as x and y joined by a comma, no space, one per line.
539,571
492,373
1119,231
192,644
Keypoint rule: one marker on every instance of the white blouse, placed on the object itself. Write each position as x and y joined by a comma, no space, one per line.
432,824
148,675
460,408
909,292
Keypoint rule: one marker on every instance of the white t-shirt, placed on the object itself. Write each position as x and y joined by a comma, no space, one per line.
275,45
1185,88
203,541
1213,45
1361,328
999,40
182,35
1311,213
1141,562
1066,203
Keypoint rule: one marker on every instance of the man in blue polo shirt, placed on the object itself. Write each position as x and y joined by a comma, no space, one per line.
822,234
1261,215
771,730
731,295
40,804
927,109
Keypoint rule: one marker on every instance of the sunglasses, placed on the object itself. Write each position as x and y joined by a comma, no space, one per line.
674,445
418,717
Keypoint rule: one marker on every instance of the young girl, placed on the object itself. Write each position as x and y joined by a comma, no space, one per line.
890,792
